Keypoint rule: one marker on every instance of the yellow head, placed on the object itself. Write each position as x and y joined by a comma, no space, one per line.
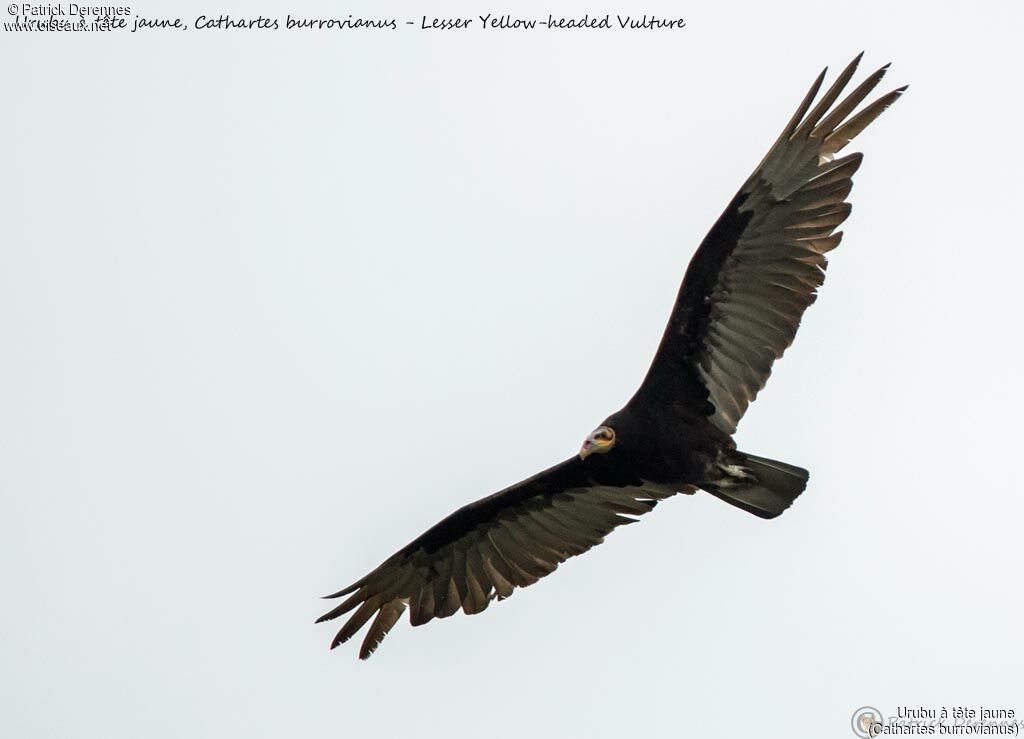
601,440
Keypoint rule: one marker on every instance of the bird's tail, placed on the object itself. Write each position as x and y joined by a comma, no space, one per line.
763,486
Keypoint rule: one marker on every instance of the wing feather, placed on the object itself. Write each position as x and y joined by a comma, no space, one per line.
478,584
387,617
422,610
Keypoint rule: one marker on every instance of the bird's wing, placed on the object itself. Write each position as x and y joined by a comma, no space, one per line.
760,265
487,548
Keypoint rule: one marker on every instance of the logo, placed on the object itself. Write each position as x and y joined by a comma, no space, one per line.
863,719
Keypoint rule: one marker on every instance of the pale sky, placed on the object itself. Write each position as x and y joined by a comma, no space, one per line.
272,303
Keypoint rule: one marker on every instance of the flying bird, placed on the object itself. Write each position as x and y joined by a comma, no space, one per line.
741,300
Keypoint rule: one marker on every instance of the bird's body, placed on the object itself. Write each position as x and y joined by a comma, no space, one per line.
737,311
674,447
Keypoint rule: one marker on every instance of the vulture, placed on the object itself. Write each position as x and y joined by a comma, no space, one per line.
744,292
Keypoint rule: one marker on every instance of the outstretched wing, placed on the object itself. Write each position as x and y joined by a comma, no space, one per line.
487,548
760,266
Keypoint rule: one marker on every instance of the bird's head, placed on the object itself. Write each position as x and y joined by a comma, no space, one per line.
600,440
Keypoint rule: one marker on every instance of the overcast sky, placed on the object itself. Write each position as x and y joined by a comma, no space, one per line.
272,303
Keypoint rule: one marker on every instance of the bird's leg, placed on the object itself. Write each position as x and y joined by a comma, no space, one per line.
732,474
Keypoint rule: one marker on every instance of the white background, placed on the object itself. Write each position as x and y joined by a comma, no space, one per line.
272,303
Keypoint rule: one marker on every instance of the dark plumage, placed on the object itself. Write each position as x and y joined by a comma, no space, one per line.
748,284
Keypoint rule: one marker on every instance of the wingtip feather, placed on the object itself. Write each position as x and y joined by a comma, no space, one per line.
350,589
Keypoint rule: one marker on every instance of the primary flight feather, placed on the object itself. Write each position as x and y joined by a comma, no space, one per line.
744,292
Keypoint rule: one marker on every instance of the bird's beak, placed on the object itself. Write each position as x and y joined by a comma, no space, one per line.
586,449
